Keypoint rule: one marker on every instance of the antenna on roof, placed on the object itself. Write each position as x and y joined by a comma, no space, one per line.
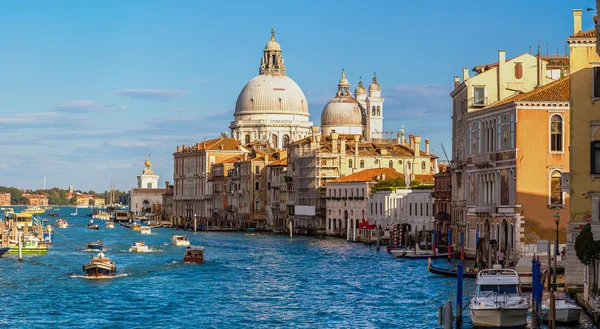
445,154
529,50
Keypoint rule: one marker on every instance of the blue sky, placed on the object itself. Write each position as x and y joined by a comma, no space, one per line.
90,88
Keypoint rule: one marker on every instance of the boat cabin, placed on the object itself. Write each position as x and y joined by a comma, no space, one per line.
194,255
498,282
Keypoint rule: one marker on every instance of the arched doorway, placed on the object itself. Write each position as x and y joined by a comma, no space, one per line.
146,207
486,229
504,235
345,221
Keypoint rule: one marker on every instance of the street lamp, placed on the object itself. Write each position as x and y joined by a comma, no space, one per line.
557,221
195,221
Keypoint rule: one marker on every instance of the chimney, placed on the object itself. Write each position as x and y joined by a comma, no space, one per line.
411,141
402,137
334,142
577,20
198,147
343,145
178,148
456,81
500,72
417,145
398,139
427,146
167,185
183,147
356,141
465,74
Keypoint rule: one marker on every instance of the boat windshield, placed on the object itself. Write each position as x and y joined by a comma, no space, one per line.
487,290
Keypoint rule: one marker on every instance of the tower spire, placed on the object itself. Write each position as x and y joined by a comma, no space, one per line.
343,85
272,34
272,60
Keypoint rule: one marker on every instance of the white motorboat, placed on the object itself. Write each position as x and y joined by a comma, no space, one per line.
498,301
139,246
180,241
399,253
145,230
566,310
109,224
62,223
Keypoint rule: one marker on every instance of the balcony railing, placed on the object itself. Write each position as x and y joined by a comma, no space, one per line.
485,208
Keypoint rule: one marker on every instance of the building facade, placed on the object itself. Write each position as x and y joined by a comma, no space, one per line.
37,199
5,199
442,204
277,194
147,198
412,208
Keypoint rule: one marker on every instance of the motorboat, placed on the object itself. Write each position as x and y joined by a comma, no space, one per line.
95,246
53,214
136,226
31,245
523,269
62,223
451,271
566,310
139,246
100,266
194,254
33,210
45,220
93,226
109,224
4,251
498,301
180,240
145,230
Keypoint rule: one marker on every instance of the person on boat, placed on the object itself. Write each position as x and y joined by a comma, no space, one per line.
501,257
100,255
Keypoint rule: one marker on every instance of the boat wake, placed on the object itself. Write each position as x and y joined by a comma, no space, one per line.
149,250
78,276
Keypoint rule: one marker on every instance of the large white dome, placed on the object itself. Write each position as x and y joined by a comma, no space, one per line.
271,94
342,111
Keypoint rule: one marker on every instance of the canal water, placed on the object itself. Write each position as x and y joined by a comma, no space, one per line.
249,280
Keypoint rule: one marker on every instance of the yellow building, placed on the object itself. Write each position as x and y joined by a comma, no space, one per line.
584,187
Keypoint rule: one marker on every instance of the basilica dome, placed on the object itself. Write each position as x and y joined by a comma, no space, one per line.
342,111
271,94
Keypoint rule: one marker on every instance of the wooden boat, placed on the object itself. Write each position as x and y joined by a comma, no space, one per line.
100,266
95,246
467,272
52,214
93,226
194,254
109,224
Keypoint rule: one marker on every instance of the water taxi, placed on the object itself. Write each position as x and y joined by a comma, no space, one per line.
100,266
95,246
33,210
180,241
62,223
194,254
139,246
109,224
136,226
93,226
498,301
31,245
145,230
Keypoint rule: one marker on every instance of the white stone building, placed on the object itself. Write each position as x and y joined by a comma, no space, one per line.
271,108
413,207
147,198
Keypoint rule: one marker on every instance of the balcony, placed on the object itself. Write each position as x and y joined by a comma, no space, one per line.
484,160
485,209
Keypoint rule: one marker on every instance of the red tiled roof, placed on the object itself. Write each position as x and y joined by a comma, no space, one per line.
370,175
424,179
223,144
282,162
587,34
231,160
557,91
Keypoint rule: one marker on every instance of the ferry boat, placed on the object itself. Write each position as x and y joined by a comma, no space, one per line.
109,224
194,254
62,223
4,251
566,310
498,301
31,245
145,230
121,215
33,210
100,266
180,241
95,246
139,246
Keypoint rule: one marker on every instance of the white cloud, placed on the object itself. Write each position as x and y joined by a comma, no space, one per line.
151,94
86,106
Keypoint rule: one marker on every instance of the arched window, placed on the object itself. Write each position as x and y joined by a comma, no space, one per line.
556,135
373,109
274,141
257,186
408,163
378,110
247,139
470,146
285,141
391,165
362,163
556,198
499,134
423,165
350,163
512,131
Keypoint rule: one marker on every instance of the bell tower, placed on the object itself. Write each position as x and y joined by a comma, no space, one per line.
272,60
374,108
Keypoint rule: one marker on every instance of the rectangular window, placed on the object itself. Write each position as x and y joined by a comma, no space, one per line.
421,209
371,208
596,82
381,208
595,158
427,210
410,208
479,96
257,169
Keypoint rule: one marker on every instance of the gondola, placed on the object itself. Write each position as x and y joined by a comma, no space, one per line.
467,272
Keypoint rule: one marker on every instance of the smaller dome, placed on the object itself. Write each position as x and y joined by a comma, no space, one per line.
343,80
148,163
342,111
374,85
272,44
360,90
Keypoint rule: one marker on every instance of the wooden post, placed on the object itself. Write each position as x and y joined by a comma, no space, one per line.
448,315
20,246
552,314
378,238
548,268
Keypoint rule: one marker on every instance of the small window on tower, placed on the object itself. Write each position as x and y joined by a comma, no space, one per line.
373,110
378,110
273,58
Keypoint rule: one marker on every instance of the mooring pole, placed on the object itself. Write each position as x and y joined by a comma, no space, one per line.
20,246
534,288
434,242
378,237
462,245
459,293
552,315
477,249
449,243
448,315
